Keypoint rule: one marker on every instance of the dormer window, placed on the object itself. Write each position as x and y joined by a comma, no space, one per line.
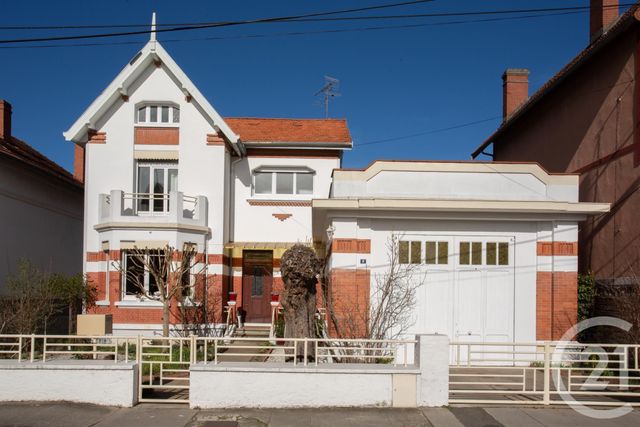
158,114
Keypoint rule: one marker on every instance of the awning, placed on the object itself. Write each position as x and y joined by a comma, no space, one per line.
155,155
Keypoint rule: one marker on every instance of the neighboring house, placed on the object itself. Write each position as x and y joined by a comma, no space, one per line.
585,120
163,167
40,209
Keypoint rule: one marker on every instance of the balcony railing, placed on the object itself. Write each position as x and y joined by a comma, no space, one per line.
173,207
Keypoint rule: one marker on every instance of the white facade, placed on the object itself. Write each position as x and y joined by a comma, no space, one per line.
452,213
259,188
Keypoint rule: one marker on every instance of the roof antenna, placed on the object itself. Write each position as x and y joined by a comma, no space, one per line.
152,36
329,90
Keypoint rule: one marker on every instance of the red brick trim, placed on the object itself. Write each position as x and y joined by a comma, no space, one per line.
282,216
114,255
291,203
350,291
556,303
308,154
557,248
351,246
95,137
156,135
218,259
213,139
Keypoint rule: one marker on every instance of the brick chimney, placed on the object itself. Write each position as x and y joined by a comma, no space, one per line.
78,162
5,119
515,90
603,13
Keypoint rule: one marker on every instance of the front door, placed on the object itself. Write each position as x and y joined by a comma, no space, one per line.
257,278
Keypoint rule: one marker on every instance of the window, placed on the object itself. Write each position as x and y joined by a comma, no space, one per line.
409,252
283,182
437,252
470,253
154,183
138,280
257,284
158,114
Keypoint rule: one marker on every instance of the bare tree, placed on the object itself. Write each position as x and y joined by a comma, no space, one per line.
34,297
170,270
200,317
389,311
300,268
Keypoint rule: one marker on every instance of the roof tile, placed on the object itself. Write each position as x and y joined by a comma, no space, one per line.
290,130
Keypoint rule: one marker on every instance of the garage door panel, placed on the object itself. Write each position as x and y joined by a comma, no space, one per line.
499,305
434,303
469,307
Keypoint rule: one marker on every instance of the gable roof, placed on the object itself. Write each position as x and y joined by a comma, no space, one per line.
623,23
150,53
21,151
274,130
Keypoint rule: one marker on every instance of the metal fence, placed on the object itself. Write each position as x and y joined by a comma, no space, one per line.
42,348
544,373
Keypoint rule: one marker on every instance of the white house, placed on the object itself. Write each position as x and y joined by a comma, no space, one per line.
163,167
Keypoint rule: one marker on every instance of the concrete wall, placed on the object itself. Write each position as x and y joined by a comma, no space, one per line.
106,384
40,221
587,124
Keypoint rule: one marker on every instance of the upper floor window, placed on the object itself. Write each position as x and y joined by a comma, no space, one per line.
154,183
282,182
158,114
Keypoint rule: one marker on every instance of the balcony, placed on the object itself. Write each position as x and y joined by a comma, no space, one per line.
152,210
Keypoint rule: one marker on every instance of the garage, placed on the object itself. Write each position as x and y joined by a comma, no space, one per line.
465,285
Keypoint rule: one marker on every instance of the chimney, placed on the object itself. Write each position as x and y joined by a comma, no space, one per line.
5,120
603,13
78,162
515,90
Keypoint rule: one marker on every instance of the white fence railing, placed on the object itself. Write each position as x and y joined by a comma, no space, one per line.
42,348
544,373
304,350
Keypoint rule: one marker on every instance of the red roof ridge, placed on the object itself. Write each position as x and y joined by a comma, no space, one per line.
285,118
627,18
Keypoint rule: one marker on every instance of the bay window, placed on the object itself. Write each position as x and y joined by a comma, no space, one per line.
139,280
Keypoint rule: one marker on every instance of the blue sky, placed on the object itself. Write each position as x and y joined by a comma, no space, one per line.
394,83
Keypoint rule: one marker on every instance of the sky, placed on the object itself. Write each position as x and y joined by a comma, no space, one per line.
400,87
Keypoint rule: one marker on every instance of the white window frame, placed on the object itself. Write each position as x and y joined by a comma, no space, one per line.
126,297
274,171
158,123
166,166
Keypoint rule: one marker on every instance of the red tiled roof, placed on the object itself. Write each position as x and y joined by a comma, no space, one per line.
290,130
623,22
23,152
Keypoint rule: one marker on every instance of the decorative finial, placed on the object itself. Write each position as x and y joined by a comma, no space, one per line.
152,37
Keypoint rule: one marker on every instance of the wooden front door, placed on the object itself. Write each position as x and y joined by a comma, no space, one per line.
257,279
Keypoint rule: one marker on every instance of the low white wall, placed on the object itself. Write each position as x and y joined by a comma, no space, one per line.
100,383
237,385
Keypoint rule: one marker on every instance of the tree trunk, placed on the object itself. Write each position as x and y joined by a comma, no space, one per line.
299,311
165,318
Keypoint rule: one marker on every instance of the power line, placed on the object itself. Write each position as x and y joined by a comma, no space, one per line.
428,132
314,19
300,33
219,24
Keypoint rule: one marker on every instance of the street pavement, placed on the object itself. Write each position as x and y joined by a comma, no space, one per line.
72,415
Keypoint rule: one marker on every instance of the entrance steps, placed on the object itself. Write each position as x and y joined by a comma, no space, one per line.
258,330
259,334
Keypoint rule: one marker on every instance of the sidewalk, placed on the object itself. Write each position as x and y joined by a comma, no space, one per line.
71,415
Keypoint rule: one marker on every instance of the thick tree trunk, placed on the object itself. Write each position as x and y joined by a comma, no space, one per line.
299,319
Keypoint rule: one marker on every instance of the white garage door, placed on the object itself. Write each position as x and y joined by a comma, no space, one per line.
467,285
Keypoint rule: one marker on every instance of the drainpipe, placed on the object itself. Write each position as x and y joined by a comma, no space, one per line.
553,276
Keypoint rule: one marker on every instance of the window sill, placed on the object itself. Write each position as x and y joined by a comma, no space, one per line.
103,303
138,304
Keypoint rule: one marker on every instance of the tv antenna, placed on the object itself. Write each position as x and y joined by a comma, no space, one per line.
329,90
